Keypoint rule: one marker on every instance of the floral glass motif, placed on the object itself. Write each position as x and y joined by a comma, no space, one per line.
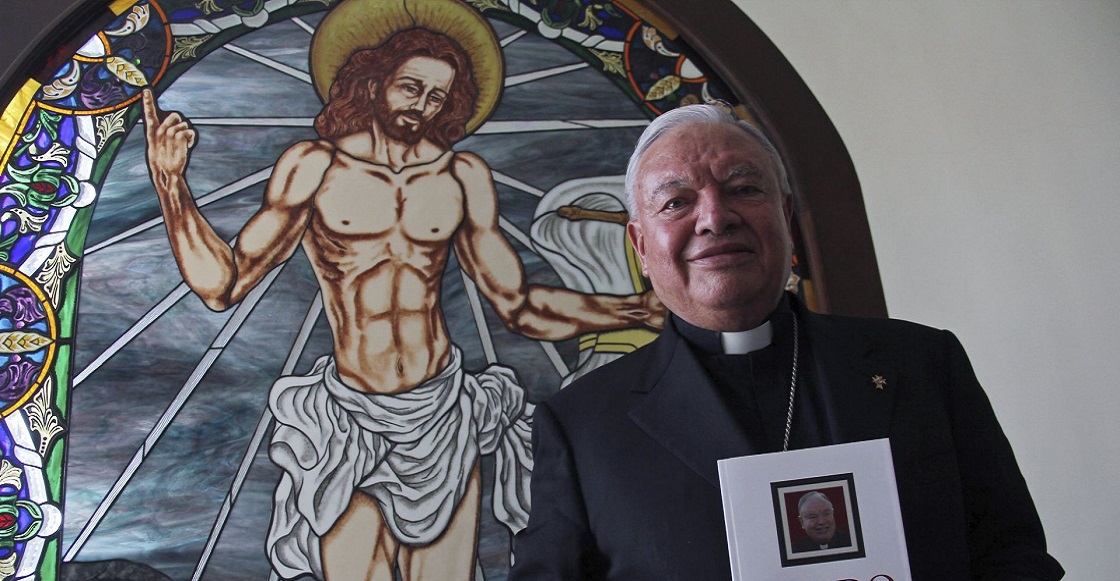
149,396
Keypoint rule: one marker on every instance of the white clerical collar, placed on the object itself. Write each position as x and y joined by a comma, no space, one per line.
743,342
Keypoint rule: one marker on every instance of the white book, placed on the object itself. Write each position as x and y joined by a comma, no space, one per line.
818,514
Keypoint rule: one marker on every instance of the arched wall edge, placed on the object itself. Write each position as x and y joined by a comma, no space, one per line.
830,203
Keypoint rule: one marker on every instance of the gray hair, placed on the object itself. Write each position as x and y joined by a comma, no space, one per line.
810,496
702,113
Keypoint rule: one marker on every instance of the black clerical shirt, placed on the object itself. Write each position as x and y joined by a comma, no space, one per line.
756,386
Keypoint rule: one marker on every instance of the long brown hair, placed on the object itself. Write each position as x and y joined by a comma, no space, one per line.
350,109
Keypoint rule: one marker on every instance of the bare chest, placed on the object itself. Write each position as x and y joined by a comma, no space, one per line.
420,204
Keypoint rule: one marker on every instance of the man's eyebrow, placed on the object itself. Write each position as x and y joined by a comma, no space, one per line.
672,184
745,171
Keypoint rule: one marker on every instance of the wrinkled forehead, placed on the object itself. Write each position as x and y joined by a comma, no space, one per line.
691,153
815,505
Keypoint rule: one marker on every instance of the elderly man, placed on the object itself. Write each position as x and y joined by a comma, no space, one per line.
625,483
815,513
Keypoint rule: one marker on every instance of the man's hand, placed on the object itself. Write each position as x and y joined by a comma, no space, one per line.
169,142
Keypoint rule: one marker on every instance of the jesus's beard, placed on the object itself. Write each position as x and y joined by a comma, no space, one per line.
407,133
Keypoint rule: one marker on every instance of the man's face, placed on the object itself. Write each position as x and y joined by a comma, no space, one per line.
817,521
411,97
712,226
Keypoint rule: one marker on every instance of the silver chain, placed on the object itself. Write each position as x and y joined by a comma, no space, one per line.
792,385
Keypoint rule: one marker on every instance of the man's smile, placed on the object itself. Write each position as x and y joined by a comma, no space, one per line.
722,252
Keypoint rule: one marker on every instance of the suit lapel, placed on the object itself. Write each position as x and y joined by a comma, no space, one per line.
858,390
683,412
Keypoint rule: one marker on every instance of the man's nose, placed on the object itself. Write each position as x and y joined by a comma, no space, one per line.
715,215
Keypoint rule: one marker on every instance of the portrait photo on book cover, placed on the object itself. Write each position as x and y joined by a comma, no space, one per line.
817,519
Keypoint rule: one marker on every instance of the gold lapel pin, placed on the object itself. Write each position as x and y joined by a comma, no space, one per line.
879,381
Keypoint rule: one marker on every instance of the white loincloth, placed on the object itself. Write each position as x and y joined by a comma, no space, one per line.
413,452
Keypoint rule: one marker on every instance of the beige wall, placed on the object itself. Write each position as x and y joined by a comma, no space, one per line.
986,136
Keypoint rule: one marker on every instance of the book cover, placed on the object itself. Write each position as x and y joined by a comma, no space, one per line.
818,514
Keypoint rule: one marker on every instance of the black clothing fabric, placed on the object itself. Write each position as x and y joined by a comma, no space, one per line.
625,484
840,540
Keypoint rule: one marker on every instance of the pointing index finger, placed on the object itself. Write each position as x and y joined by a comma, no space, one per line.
151,111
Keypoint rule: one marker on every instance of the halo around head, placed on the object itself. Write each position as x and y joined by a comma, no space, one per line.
360,24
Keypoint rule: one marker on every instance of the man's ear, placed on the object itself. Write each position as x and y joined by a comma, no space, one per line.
634,233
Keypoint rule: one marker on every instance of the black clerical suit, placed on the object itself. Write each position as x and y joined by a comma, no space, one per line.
839,540
625,484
